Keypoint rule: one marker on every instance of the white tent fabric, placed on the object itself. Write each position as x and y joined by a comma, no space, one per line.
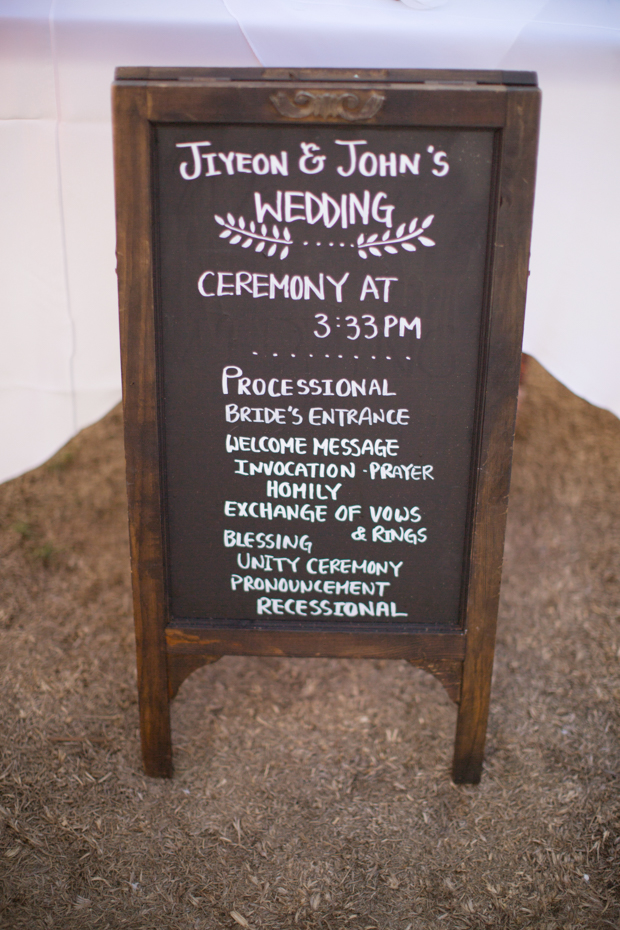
59,356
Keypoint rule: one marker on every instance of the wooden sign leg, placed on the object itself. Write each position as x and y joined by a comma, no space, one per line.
471,724
155,714
156,737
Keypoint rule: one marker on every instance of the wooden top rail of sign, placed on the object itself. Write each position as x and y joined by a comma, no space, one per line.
322,279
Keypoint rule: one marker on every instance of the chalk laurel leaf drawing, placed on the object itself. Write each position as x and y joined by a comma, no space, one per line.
236,231
239,233
402,237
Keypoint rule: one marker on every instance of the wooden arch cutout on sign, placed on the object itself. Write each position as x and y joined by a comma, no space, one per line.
322,280
182,664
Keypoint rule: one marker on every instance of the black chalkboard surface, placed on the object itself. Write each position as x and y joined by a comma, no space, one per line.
364,363
322,280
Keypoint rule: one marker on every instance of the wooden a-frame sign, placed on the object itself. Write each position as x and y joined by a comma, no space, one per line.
322,279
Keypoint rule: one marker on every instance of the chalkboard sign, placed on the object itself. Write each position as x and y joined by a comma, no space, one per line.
322,281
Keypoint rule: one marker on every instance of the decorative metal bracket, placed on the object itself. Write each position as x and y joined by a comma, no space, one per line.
328,104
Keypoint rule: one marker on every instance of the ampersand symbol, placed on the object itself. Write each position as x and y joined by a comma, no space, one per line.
316,161
359,533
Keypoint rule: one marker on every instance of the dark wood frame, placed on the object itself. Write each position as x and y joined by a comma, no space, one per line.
169,650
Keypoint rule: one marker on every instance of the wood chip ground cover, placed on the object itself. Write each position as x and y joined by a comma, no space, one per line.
314,793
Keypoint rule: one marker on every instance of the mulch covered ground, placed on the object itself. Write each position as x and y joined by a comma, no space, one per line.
314,793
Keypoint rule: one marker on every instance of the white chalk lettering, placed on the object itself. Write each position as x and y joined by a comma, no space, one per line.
354,447
346,416
276,606
251,540
406,472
